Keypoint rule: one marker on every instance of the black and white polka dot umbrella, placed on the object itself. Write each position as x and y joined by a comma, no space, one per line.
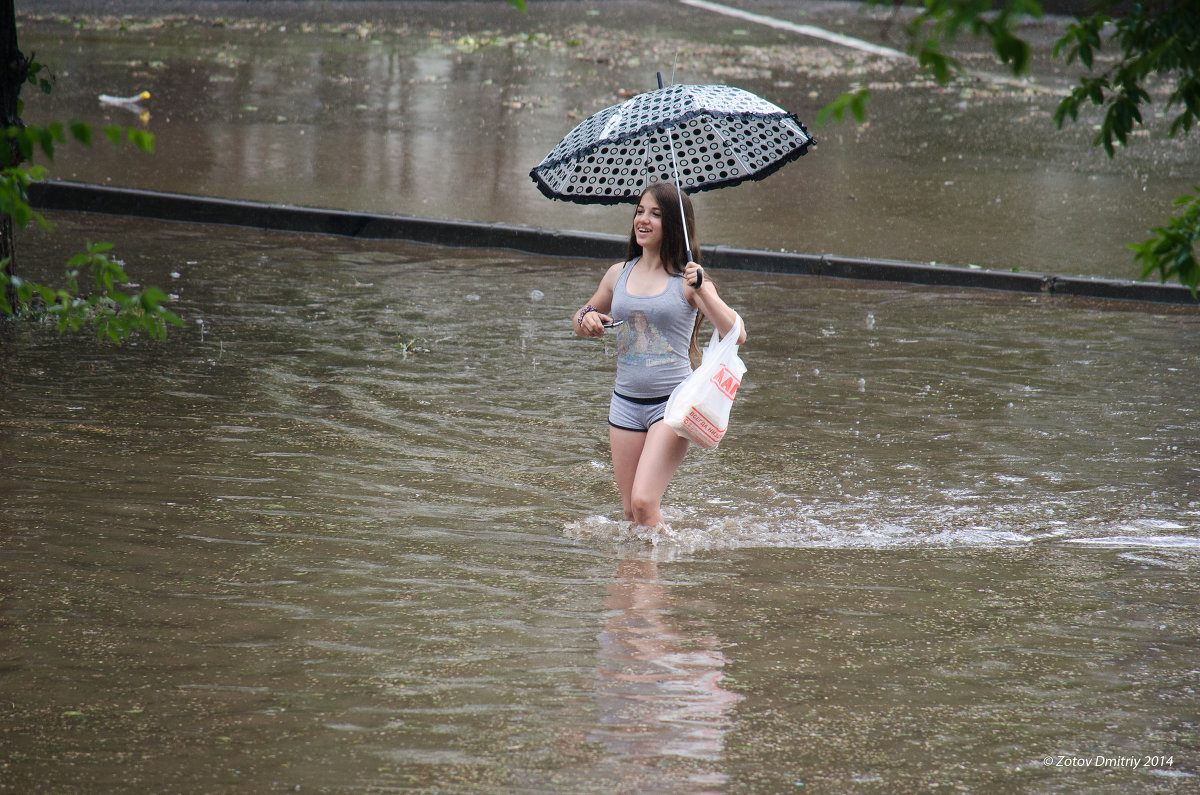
700,137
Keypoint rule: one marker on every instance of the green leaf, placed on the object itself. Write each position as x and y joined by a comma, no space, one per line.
1013,51
936,62
141,139
853,101
1068,107
81,132
151,297
170,317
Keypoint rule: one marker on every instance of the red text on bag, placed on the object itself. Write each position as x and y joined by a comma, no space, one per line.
703,432
727,382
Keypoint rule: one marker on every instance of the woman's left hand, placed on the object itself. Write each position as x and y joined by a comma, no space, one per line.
693,274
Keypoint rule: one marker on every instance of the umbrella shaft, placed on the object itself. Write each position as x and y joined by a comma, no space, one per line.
687,239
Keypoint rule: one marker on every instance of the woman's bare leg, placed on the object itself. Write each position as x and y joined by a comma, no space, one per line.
626,451
661,455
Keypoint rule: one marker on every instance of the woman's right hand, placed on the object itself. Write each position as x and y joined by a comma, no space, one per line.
592,324
589,320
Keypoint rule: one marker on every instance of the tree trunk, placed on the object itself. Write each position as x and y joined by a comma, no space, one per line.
14,68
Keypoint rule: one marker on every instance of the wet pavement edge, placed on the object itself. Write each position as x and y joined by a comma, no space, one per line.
86,198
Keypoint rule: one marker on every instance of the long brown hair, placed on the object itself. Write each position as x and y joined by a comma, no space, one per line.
673,251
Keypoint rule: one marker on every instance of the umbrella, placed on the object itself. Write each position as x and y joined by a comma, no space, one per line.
703,136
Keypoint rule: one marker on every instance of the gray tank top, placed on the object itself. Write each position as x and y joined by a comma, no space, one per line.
652,343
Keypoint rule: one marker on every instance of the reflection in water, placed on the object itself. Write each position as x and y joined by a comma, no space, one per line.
658,689
395,114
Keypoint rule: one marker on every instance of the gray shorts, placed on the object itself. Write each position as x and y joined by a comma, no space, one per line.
636,414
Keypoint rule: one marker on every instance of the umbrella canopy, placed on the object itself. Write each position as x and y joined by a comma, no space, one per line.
718,136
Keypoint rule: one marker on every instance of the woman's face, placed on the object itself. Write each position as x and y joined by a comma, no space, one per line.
647,222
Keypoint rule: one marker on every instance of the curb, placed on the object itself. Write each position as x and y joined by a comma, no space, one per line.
80,197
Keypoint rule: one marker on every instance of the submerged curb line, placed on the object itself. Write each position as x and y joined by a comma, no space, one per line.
80,197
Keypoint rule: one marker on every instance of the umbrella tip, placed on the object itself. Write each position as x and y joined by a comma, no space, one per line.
660,80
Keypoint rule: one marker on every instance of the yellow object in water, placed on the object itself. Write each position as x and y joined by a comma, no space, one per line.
109,99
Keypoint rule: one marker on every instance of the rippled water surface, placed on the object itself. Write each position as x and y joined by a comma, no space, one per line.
353,529
441,109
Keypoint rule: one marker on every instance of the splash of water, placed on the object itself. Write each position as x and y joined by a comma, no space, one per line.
699,528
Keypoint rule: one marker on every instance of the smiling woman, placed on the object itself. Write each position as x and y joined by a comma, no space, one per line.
664,296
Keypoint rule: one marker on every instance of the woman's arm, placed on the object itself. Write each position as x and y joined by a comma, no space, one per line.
705,299
588,321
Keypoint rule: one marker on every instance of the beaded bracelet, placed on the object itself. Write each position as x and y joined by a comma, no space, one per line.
583,312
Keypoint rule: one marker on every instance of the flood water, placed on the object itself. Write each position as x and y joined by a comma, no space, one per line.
353,530
441,109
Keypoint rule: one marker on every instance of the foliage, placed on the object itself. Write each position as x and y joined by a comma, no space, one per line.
26,140
1154,43
854,101
1158,43
939,23
116,312
1172,249
34,77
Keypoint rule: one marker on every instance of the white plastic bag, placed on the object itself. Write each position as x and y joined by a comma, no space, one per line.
698,409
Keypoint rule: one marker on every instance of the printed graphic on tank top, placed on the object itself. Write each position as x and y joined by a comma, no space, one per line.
652,344
640,344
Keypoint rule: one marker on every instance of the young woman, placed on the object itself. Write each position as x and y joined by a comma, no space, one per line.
657,293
